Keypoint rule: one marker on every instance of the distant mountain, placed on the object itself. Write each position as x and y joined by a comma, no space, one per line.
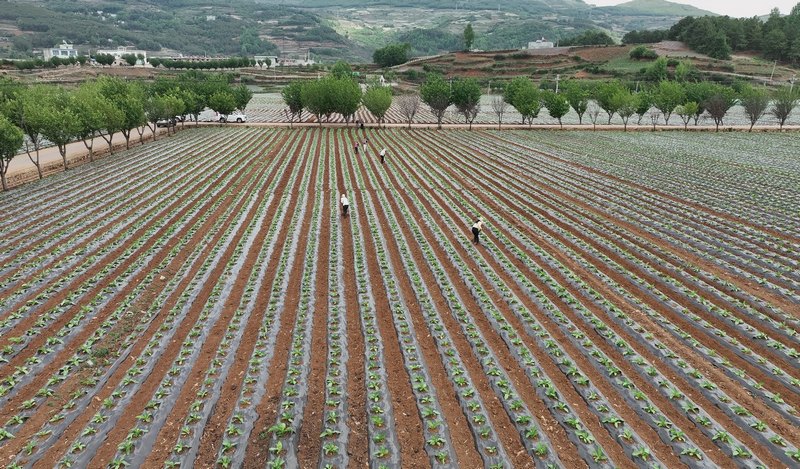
655,8
328,29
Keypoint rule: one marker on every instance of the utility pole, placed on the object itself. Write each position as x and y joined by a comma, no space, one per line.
791,83
774,64
558,76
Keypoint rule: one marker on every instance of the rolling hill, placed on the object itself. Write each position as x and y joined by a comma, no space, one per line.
329,29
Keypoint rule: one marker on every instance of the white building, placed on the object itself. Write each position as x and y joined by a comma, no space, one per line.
540,44
62,51
124,50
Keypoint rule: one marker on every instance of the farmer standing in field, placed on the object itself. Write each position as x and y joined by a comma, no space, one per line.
383,154
355,147
345,205
476,230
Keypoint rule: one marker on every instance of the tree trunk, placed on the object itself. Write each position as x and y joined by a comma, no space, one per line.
154,128
62,148
3,177
127,135
34,161
108,140
89,147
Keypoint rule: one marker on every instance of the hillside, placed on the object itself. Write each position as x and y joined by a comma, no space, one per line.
656,8
328,29
585,62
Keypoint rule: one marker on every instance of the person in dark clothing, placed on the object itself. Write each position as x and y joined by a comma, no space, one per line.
355,147
476,231
362,125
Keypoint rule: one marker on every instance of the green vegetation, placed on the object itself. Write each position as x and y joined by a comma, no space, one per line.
430,41
777,38
10,143
469,36
643,53
377,100
107,106
391,55
588,38
438,95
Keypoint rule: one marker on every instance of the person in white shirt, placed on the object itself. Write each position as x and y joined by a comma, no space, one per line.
476,230
345,205
382,154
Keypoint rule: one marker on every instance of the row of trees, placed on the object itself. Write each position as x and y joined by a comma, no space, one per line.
336,93
103,108
687,100
339,93
216,64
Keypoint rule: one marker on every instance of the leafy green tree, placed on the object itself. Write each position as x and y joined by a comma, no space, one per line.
435,92
59,124
293,97
341,69
644,101
129,99
346,96
242,95
466,97
775,44
657,71
391,55
686,112
130,59
784,100
686,72
589,38
699,93
625,102
28,114
10,142
154,111
720,101
378,100
192,101
521,93
317,97
94,112
222,102
666,96
469,36
578,97
604,95
755,102
104,59
642,53
557,105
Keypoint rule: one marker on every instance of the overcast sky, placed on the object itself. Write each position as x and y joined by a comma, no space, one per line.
740,8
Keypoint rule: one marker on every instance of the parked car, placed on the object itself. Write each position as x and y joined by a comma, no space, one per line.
166,122
235,116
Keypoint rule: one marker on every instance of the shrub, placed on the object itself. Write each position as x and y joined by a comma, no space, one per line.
643,53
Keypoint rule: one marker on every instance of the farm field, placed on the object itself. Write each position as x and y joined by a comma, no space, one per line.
200,301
